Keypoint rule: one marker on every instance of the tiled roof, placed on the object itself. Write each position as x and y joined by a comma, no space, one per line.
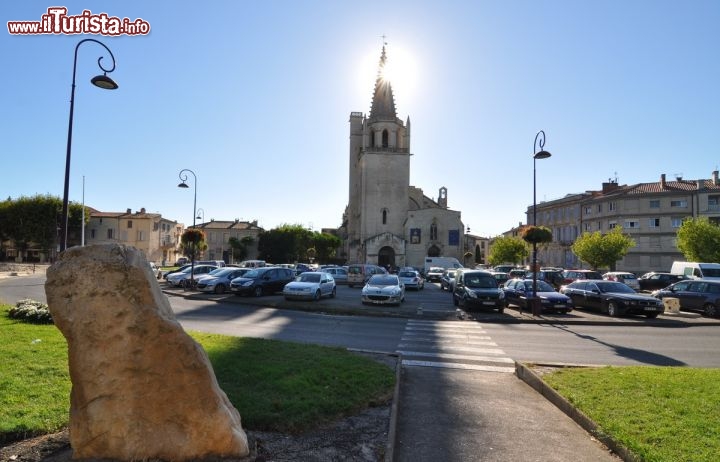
670,186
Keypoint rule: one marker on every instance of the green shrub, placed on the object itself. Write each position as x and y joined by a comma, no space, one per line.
31,311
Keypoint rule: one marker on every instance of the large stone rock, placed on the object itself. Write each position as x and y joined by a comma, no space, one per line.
141,387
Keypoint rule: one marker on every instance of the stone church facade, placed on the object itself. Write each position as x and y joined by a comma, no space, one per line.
387,221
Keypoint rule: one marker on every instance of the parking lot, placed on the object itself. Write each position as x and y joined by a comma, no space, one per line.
433,303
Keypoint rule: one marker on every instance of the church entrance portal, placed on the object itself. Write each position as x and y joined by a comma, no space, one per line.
433,251
386,257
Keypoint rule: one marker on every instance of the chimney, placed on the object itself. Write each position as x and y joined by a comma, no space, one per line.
142,210
662,181
715,178
129,211
699,184
607,187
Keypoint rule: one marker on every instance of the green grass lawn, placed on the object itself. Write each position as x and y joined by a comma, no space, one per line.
275,385
662,414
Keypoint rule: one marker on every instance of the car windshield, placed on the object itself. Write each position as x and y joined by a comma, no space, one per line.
383,280
407,274
219,272
711,272
609,286
480,282
542,286
309,277
450,274
252,274
354,270
436,270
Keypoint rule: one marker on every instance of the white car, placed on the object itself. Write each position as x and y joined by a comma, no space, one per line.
218,281
411,279
310,285
177,279
383,289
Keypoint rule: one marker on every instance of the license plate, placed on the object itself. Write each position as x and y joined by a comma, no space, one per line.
650,308
559,306
488,303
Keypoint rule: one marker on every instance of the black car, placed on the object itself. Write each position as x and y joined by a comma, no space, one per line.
519,291
261,281
447,279
477,289
656,280
613,298
694,295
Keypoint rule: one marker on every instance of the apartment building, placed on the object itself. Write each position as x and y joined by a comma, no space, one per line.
157,237
219,233
650,213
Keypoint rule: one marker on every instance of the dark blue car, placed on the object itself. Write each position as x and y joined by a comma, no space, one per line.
518,291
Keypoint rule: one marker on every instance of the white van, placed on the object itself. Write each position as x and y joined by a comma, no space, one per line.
695,270
441,262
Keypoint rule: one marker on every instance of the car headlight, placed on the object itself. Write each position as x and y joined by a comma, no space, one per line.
471,293
247,283
501,294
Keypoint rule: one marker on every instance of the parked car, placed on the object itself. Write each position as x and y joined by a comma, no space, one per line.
500,277
178,279
383,289
580,275
311,285
517,273
411,279
182,261
447,280
477,289
656,280
359,274
694,295
302,268
155,270
218,281
177,270
553,276
339,273
613,298
518,291
629,279
434,274
696,270
262,280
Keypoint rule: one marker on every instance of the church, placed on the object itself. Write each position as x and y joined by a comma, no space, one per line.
387,221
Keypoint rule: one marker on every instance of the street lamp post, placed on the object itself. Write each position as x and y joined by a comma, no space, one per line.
101,81
183,179
200,215
542,154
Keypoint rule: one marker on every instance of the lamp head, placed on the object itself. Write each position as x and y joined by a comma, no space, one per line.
542,155
183,185
104,82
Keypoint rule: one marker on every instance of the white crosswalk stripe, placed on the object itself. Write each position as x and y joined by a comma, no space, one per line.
451,344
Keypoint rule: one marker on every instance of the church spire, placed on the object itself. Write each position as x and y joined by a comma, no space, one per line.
383,103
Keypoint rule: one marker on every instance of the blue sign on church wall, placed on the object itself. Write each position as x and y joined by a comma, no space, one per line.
414,235
454,237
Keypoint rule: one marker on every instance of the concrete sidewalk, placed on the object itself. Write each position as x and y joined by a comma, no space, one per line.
460,415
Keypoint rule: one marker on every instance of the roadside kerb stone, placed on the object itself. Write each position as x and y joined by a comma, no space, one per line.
525,372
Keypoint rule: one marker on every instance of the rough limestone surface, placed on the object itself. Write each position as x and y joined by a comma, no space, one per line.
142,388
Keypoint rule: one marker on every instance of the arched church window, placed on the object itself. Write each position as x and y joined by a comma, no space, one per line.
384,216
433,232
385,138
372,138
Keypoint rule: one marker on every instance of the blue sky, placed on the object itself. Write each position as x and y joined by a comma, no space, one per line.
254,97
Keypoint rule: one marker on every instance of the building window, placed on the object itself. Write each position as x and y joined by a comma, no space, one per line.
129,223
611,206
433,232
586,226
156,225
141,236
654,222
588,210
631,224
681,204
384,216
599,225
676,222
92,234
110,233
612,225
385,138
655,204
599,208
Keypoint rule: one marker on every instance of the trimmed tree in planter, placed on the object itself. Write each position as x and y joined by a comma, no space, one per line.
535,235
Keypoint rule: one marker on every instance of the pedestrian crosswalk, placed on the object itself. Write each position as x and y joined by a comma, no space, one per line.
451,344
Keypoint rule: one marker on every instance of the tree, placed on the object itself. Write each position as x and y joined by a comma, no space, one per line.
536,235
240,247
602,250
193,241
284,244
507,249
325,246
699,240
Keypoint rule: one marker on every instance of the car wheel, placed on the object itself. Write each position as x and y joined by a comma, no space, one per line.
333,293
710,310
317,295
455,301
220,289
612,309
501,310
258,291
652,315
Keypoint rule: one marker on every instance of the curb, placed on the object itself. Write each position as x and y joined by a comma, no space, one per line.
392,431
526,374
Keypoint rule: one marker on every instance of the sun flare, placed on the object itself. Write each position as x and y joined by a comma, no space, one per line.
400,70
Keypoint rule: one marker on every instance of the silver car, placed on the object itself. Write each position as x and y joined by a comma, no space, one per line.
218,281
411,279
310,285
383,289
